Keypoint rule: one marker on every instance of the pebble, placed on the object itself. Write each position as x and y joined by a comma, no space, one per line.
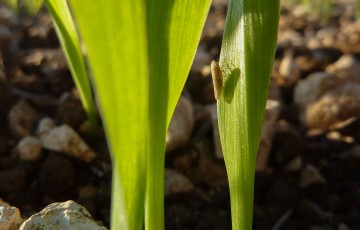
294,165
67,215
337,105
346,68
267,133
348,39
22,118
176,182
310,175
29,148
324,100
64,139
290,38
9,217
181,125
289,70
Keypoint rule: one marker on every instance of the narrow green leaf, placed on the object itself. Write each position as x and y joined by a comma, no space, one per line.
246,59
69,40
114,35
173,29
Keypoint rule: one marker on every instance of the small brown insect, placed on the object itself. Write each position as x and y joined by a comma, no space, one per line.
217,79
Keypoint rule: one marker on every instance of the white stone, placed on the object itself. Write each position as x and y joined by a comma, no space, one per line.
9,217
65,139
176,182
29,148
67,215
181,125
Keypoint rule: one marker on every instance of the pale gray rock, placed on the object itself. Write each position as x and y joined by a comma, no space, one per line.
29,149
176,182
64,139
22,118
58,216
9,217
181,125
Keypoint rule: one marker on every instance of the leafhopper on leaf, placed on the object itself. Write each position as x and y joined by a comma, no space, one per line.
217,78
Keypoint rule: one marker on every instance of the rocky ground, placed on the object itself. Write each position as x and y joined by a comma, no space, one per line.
309,157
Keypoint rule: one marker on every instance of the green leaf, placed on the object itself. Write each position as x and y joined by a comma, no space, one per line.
114,36
140,53
173,28
247,54
69,40
32,6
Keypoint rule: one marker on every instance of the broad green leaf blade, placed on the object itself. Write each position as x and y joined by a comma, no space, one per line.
114,35
173,28
32,6
69,40
246,58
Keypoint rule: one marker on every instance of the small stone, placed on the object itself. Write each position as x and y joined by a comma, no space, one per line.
22,118
176,182
289,70
9,217
181,125
309,90
45,125
267,133
29,148
290,38
294,165
336,105
346,68
65,139
348,39
67,215
309,176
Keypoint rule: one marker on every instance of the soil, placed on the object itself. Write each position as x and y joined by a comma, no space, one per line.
34,71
